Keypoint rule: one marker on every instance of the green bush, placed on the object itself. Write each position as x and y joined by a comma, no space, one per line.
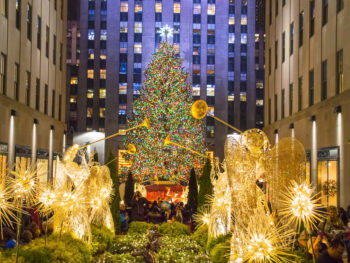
212,242
137,227
128,243
102,239
174,229
220,253
118,258
201,235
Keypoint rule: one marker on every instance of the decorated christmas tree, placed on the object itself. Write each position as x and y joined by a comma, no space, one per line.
165,99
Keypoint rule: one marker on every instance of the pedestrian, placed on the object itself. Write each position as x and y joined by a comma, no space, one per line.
138,207
332,222
124,218
334,253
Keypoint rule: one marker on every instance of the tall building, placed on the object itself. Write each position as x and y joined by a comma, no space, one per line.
307,88
216,39
32,82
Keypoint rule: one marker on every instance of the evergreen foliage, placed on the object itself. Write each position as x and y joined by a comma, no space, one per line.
129,189
192,198
115,202
95,156
205,185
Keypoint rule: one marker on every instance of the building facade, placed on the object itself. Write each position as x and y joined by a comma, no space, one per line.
32,82
308,90
215,39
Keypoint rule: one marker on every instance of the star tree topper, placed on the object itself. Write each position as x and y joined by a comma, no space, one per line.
166,32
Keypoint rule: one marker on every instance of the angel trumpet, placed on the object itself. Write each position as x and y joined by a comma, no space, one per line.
199,110
167,141
145,123
131,149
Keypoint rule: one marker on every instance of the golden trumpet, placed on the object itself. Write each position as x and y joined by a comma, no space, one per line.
145,123
199,110
131,149
167,141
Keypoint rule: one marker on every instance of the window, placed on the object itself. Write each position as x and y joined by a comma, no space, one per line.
53,105
37,95
283,47
269,110
123,7
18,14
59,105
102,93
291,94
138,7
282,103
231,19
103,35
123,27
103,74
90,74
311,88
138,48
283,2
47,42
3,74
28,88
38,32
270,12
123,47
291,39
123,88
211,9
244,20
158,7
89,112
196,90
275,107
102,112
244,38
276,7
61,56
324,12
197,9
123,68
138,27
324,80
339,72
312,17
276,54
29,22
4,8
46,98
340,5
177,8
301,28
300,93
210,91
54,50
270,62
16,81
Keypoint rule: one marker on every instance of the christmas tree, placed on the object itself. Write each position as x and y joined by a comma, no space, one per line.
165,99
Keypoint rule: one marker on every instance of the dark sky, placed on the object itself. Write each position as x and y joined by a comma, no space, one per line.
73,9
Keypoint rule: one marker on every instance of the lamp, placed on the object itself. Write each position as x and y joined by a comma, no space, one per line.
312,118
337,109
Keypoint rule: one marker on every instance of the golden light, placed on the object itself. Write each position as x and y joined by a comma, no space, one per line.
7,208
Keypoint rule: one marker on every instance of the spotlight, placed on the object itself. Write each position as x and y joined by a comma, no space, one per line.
337,109
291,126
312,118
13,113
36,121
276,131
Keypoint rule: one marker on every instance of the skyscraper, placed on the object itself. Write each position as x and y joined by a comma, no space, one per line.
216,39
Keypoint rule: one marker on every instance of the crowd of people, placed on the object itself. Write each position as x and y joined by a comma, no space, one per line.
140,209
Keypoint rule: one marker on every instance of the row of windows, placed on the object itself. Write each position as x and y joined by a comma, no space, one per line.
339,88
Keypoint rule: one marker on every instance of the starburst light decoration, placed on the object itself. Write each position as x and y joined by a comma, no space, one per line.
7,208
166,32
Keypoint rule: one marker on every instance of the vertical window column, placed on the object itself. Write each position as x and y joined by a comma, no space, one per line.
196,51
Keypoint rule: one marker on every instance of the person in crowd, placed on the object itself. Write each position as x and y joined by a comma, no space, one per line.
332,222
178,215
124,218
138,207
348,213
343,216
186,214
347,240
334,252
154,213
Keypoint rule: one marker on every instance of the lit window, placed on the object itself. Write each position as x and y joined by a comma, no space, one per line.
138,7
90,94
123,6
211,27
89,112
231,38
197,26
91,53
259,85
101,129
243,96
211,9
231,75
91,35
103,35
197,9
210,69
103,54
138,27
102,93
88,129
244,39
122,131
123,87
123,67
121,112
211,48
123,47
103,74
196,68
137,88
244,19
74,80
73,99
90,74
177,48
210,91
210,111
158,7
123,27
102,112
137,65
177,8
231,20
231,97
259,102
138,48
196,91
257,37
210,131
